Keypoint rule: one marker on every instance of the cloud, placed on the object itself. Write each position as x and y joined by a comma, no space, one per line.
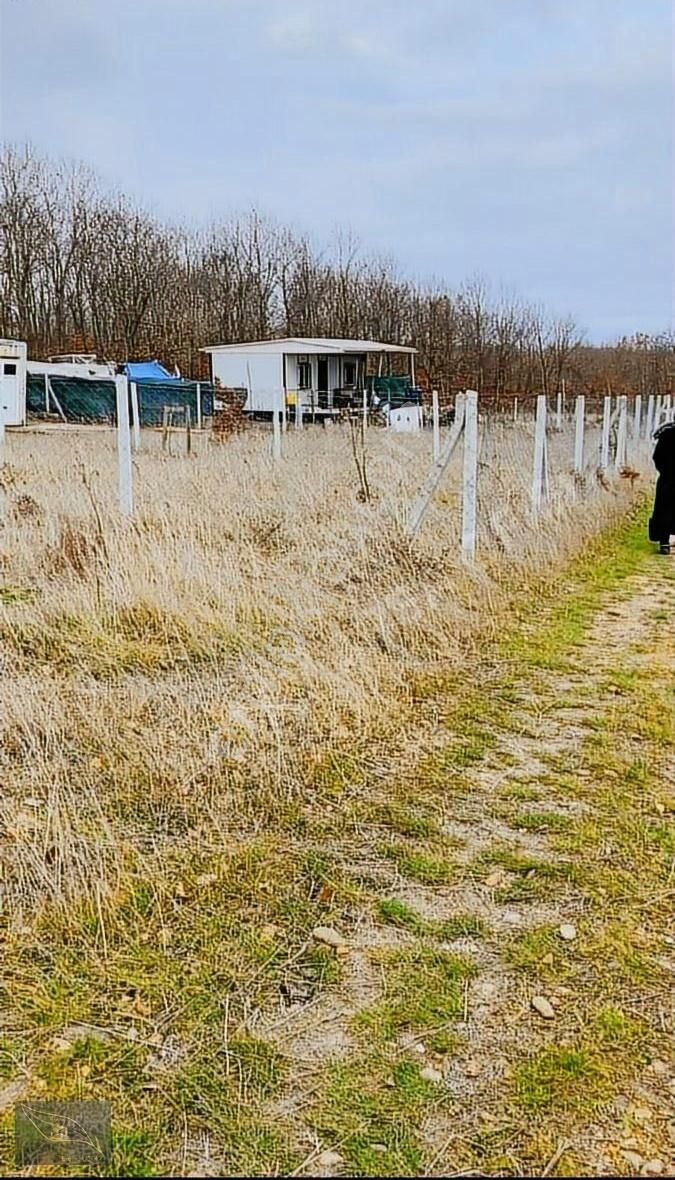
528,140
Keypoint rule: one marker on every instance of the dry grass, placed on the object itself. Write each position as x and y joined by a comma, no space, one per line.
206,714
204,662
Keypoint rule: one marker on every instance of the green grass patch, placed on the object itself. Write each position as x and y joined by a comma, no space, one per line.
405,821
541,953
562,1078
397,913
371,1110
581,1077
423,988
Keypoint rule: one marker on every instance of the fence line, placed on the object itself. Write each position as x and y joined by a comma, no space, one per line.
466,424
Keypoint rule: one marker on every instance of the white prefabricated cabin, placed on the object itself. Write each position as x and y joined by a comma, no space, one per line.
13,355
319,373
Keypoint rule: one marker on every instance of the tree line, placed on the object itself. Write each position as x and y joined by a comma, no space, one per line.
83,269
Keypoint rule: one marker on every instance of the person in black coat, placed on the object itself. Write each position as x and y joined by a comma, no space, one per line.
662,522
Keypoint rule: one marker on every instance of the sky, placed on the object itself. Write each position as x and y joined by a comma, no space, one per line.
528,142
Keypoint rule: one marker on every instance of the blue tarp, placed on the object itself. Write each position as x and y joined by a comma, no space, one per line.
148,371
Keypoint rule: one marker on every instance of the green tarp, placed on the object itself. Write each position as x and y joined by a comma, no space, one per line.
82,400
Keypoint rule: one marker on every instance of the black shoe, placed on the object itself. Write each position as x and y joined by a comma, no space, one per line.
664,550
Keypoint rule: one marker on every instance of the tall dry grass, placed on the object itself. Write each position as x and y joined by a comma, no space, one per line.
203,671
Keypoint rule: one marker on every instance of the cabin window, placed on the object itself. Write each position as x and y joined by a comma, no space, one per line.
349,374
304,374
10,370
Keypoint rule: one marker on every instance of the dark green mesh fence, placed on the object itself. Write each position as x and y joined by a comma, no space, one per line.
153,396
394,390
74,399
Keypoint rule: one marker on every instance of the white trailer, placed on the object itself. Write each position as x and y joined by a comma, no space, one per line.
13,356
318,374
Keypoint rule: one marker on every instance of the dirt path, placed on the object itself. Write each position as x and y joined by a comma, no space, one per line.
563,882
492,994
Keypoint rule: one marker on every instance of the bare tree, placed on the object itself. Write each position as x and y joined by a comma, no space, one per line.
82,268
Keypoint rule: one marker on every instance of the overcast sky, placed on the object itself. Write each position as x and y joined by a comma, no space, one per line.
528,141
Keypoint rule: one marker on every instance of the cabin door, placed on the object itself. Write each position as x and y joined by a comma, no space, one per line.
9,392
322,380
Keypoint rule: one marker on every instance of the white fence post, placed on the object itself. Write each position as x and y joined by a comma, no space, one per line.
470,473
135,416
604,443
622,433
125,469
579,421
559,410
658,407
637,417
515,409
649,418
365,408
2,425
198,398
435,425
277,414
298,411
539,452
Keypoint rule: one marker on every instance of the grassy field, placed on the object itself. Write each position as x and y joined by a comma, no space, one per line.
294,810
